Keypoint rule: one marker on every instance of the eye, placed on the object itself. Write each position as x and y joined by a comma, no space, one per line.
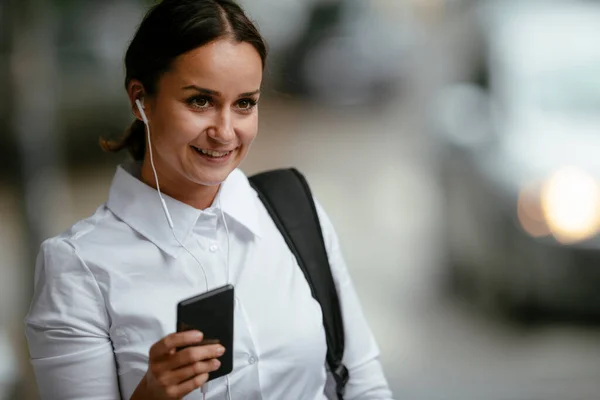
246,104
199,101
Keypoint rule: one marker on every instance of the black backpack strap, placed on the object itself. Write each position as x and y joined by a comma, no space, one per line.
288,199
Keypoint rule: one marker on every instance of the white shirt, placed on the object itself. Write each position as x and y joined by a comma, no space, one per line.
107,289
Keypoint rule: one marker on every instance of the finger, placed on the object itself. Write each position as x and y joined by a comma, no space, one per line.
164,346
194,354
187,387
179,376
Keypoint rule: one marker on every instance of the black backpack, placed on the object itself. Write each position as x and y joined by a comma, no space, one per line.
288,199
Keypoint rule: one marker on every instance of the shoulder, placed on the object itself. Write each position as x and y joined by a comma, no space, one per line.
281,188
240,183
330,236
66,240
329,232
238,187
84,226
97,230
59,269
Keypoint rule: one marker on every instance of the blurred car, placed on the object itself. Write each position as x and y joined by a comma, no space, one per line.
520,161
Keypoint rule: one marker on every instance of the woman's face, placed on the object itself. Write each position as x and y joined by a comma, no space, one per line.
204,115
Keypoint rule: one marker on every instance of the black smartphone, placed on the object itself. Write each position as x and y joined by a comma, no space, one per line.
212,314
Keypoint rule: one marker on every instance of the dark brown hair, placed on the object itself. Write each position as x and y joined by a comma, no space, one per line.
170,29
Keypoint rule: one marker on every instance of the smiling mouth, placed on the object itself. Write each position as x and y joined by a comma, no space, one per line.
212,153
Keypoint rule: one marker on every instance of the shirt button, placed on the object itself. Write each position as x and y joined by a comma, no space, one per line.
252,360
213,248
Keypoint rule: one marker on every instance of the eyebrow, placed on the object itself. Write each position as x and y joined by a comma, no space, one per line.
215,93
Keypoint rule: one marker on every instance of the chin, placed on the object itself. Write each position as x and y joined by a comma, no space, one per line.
212,179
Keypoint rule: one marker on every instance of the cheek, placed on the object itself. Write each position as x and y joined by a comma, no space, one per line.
182,128
189,126
248,130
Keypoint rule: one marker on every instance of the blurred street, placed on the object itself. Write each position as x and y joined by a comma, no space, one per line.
374,170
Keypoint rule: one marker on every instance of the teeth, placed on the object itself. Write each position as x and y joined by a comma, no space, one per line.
213,153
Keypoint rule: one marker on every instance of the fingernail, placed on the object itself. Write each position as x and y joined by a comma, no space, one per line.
198,335
216,363
220,350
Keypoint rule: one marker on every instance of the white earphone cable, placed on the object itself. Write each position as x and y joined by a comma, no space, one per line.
228,388
162,200
226,275
227,234
172,228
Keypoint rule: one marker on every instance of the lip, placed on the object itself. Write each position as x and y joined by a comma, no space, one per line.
212,160
209,149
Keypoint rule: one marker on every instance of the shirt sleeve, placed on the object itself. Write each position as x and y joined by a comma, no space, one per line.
67,329
361,354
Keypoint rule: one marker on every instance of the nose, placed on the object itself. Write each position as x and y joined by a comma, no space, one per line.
223,131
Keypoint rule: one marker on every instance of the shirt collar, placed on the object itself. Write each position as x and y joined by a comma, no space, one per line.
139,206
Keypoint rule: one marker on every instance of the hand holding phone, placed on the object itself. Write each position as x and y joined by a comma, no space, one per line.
173,374
211,313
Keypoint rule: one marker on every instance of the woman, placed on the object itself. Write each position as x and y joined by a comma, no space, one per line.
101,320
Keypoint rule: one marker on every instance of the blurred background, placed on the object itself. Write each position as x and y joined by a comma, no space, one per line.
454,143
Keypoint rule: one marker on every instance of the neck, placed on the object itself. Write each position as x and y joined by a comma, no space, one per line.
195,195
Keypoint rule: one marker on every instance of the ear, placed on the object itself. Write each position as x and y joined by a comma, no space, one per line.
135,91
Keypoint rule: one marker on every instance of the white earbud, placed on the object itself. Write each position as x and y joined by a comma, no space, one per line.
140,106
